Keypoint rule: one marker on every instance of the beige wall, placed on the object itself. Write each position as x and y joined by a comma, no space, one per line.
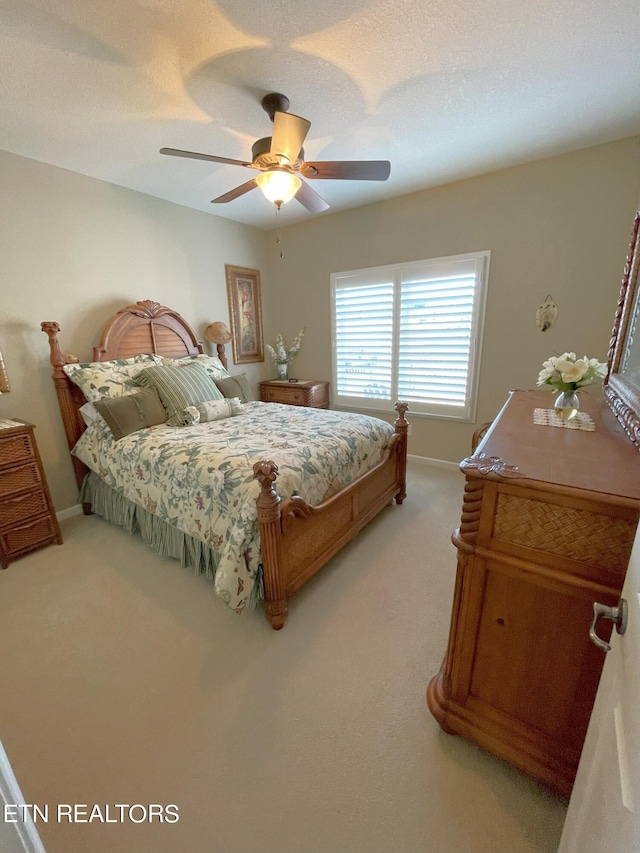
558,226
76,250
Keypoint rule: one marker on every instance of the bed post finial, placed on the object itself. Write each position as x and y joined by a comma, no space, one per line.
58,358
276,610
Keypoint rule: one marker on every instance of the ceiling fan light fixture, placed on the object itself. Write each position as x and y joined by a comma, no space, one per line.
279,159
278,186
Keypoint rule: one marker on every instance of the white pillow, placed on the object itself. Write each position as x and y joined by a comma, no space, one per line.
89,413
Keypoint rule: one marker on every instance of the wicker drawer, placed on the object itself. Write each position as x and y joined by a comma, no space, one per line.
540,528
20,478
28,537
22,508
15,448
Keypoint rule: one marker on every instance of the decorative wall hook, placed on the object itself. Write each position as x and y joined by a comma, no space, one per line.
547,314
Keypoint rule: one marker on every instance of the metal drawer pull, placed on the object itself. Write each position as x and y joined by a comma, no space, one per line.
618,615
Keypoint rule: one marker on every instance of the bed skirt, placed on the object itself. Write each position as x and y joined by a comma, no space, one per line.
165,539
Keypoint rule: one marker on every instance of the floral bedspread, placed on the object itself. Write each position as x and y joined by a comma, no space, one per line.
200,478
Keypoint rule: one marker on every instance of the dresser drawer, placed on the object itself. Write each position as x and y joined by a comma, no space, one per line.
22,508
285,394
15,448
592,541
306,392
20,478
30,536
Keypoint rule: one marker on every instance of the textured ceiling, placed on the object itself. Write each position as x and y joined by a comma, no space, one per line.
444,89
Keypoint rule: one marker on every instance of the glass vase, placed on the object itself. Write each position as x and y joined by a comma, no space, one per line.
283,371
566,405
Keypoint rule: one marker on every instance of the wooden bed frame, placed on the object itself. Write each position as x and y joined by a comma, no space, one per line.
296,539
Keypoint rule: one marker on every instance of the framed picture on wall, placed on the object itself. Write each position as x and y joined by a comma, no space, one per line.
245,313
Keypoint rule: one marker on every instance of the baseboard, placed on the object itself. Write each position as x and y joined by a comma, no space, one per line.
67,513
437,463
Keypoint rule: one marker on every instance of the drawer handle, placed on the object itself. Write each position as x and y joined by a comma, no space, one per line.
32,524
618,616
18,500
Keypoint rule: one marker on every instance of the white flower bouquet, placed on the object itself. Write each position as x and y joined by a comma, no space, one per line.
568,373
281,352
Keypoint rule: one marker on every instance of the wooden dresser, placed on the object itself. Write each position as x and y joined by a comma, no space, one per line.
534,552
27,518
307,392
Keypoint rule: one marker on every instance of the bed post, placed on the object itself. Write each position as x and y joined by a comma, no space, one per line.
222,354
276,609
73,425
402,430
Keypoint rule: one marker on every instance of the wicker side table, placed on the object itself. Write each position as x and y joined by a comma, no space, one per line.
27,518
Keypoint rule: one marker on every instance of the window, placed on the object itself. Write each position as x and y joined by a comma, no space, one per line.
410,332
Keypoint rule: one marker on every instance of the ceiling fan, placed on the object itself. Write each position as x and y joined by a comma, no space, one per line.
280,160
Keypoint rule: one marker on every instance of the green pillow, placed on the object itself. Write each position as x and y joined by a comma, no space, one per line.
125,415
179,387
236,386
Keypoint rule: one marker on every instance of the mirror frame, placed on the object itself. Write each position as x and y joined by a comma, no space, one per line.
622,395
4,379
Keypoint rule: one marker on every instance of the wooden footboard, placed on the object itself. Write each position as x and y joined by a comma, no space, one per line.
297,539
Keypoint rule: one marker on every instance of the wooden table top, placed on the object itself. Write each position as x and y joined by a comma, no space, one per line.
603,461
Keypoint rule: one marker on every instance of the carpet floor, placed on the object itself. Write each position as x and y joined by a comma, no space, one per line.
126,681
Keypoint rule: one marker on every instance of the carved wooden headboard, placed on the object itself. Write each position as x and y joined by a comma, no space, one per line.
145,327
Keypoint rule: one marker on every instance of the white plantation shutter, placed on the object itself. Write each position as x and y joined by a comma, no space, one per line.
410,332
364,340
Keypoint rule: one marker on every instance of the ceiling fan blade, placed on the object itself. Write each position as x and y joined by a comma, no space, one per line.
176,152
310,199
289,133
235,193
348,170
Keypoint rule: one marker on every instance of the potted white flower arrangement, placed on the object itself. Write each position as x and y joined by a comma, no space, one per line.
569,374
282,355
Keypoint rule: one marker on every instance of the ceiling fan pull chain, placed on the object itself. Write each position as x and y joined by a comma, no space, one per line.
278,240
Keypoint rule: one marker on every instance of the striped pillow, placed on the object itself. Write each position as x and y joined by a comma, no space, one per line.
179,387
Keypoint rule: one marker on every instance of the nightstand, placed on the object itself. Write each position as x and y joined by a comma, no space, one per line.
27,519
307,392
